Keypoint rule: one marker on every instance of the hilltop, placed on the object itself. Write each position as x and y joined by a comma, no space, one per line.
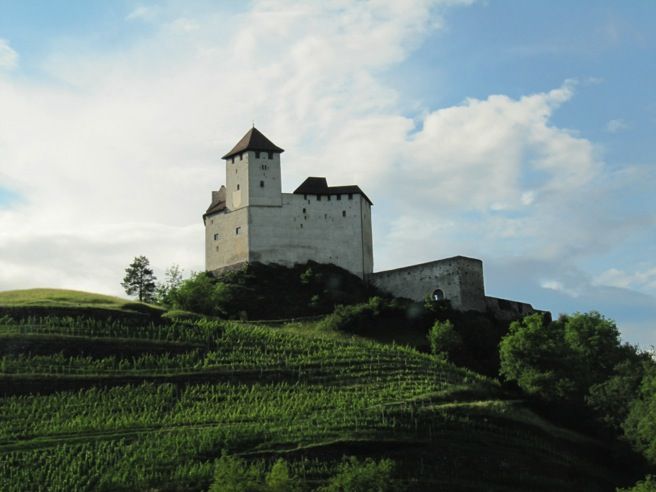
92,403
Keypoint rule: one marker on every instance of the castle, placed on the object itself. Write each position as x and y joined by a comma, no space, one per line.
250,219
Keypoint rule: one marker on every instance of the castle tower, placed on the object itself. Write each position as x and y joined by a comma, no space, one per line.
253,172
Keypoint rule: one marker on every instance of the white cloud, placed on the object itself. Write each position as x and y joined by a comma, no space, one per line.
134,137
8,56
616,126
141,13
559,287
644,280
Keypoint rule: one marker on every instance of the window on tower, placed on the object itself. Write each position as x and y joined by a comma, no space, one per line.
343,213
216,237
270,155
261,184
237,231
237,185
257,155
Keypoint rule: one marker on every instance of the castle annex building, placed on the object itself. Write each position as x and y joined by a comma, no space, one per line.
250,219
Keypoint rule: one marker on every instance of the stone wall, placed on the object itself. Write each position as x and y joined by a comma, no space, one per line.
311,227
460,279
506,309
226,239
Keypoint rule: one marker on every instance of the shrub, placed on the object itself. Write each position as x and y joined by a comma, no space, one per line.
646,485
362,476
235,475
443,339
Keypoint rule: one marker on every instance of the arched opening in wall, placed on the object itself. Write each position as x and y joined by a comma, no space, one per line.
438,295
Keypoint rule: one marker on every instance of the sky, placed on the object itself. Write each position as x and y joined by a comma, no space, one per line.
520,133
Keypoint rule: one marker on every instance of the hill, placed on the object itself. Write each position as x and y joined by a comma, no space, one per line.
100,404
61,302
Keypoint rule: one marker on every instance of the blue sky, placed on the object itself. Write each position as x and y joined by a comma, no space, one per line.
516,132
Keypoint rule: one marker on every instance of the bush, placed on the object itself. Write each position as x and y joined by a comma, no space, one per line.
236,475
362,476
444,340
266,292
646,485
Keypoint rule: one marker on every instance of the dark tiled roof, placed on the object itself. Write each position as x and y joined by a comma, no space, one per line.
319,186
218,202
215,208
253,140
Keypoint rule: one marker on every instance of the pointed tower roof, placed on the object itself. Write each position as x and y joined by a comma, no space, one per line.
253,140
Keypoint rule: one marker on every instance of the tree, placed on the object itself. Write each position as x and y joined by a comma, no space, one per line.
444,339
595,341
535,356
640,425
139,279
172,280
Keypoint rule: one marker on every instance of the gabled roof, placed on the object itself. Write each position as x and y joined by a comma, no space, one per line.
319,186
215,208
253,140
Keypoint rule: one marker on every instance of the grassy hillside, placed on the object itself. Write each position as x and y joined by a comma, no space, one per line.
61,302
103,405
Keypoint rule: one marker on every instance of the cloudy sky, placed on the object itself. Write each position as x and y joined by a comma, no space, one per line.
517,132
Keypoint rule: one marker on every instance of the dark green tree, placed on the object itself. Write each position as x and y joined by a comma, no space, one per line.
140,280
444,340
640,425
595,342
535,356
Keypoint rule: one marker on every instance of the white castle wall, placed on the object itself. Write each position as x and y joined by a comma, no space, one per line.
227,247
253,179
311,227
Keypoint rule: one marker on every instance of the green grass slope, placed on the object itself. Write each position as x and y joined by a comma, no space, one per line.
61,302
98,404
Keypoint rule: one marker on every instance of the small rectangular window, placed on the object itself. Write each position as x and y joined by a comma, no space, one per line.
238,186
257,155
270,155
350,196
241,157
301,226
343,213
318,198
261,184
328,197
304,197
232,159
339,197
216,237
304,210
237,231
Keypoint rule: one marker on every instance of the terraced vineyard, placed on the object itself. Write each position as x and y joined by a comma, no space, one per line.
99,405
